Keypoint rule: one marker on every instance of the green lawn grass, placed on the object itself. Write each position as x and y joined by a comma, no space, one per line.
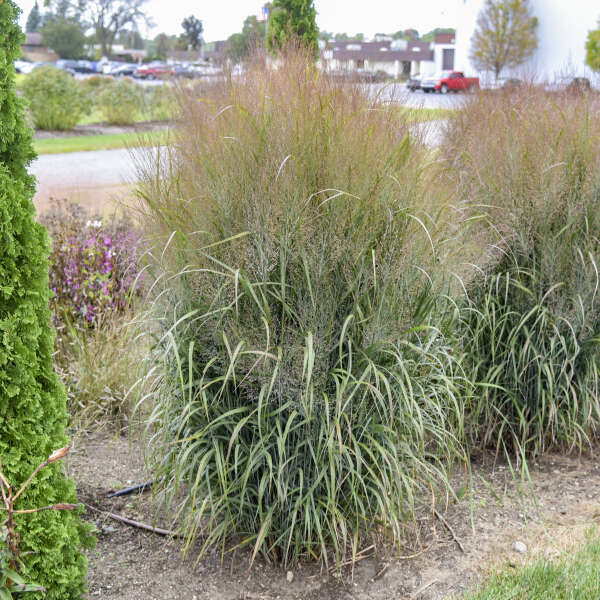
575,576
421,115
86,143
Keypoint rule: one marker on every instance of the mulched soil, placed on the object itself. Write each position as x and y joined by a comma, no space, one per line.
132,564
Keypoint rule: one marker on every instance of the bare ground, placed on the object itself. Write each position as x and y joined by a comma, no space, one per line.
132,564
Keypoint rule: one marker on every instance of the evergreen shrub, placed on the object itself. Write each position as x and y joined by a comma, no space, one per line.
32,400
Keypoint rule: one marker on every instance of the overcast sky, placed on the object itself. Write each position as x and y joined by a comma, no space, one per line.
224,17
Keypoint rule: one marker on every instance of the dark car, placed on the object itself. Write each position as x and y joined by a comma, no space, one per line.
578,85
75,66
125,70
414,83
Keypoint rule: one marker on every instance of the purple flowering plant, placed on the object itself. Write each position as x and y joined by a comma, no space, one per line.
94,263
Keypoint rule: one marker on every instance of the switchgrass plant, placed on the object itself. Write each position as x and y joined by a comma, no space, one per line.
528,165
306,396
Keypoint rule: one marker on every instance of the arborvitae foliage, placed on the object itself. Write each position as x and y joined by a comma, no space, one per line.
293,19
34,20
32,400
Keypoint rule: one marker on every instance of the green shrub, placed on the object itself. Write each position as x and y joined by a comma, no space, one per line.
304,398
161,103
96,82
120,102
56,100
32,400
530,163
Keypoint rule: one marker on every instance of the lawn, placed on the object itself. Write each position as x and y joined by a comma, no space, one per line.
572,577
87,143
422,115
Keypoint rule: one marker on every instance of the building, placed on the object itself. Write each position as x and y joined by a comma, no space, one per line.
562,32
215,52
395,58
34,51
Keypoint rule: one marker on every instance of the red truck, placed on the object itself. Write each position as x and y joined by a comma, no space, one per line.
449,81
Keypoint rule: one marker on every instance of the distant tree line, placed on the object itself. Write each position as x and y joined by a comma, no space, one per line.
72,28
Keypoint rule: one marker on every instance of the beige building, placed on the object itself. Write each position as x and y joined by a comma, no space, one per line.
395,58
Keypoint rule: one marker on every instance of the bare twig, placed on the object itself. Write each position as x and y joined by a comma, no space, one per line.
138,524
418,592
359,556
56,455
449,528
59,506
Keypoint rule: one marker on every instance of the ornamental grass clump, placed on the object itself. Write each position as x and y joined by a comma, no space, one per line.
305,396
528,162
32,400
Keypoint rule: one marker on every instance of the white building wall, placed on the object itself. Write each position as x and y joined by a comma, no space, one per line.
562,32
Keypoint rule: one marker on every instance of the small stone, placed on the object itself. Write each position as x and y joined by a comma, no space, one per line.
289,576
519,547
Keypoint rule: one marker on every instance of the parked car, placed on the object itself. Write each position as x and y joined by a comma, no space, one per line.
414,83
75,66
569,84
158,71
579,85
124,70
504,83
449,81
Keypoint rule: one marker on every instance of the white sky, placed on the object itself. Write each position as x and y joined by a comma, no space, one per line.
224,17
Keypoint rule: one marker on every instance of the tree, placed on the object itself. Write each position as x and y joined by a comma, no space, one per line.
505,35
193,29
33,411
64,37
592,47
240,45
34,20
163,46
293,18
107,17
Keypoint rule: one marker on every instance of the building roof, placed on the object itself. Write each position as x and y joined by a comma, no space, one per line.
445,38
382,51
33,39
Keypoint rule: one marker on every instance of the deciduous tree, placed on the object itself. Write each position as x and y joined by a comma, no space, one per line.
107,17
252,36
33,411
293,18
64,37
592,47
193,30
505,35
